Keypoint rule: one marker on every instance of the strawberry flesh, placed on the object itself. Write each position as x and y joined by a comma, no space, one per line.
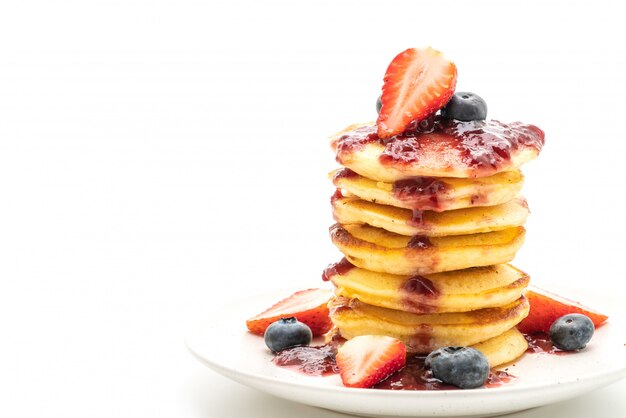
546,307
308,306
418,82
366,360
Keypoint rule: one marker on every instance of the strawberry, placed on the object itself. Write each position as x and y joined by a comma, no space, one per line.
418,82
546,307
366,360
308,306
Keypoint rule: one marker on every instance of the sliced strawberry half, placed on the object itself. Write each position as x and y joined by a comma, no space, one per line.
365,360
308,306
546,307
418,82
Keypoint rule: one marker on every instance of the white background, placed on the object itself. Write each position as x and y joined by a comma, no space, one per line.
159,159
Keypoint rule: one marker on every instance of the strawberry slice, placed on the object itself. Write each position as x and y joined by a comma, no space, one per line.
418,82
365,360
546,307
308,306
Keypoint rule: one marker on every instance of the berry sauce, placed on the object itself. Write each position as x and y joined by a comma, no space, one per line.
341,267
478,143
344,173
417,218
419,295
540,343
422,192
337,232
336,196
422,339
312,361
419,241
415,376
354,140
320,361
419,285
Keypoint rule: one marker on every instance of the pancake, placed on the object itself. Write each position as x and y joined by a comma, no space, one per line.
423,333
453,149
454,291
500,350
379,250
435,194
503,349
352,210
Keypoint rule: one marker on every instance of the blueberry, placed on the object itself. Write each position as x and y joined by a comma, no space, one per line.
571,332
286,333
464,367
465,106
379,103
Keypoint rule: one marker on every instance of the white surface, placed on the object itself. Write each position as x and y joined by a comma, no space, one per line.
159,157
541,378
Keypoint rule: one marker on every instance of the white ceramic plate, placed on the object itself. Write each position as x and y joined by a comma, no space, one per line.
225,346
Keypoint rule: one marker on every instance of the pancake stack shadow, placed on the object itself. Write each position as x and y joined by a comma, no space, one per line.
426,257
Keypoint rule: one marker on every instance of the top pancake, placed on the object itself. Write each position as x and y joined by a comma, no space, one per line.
453,149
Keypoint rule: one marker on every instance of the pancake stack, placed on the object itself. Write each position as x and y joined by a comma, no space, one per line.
428,221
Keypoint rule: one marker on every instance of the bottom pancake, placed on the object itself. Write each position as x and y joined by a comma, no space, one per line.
499,350
503,349
423,333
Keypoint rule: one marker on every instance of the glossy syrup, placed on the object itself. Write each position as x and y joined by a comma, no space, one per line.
341,267
344,173
336,196
415,376
419,295
540,343
420,286
417,218
321,361
419,241
422,339
337,232
421,192
312,361
478,143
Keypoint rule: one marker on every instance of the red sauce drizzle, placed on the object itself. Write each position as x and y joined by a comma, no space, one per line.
422,192
337,231
414,376
419,241
355,140
480,143
419,285
312,361
422,340
341,267
401,149
336,196
417,218
541,343
419,294
344,173
487,143
320,361
498,378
